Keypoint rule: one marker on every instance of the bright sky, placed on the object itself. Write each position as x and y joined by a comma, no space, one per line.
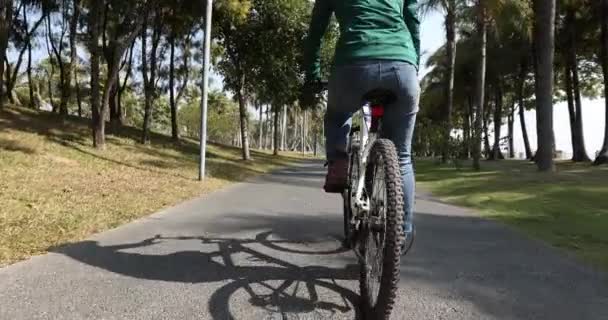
433,37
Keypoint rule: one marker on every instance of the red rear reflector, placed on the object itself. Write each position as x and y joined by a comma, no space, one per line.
377,111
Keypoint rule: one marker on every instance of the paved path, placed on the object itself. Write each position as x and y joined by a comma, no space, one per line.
269,249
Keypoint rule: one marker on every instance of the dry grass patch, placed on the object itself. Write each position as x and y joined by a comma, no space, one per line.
55,188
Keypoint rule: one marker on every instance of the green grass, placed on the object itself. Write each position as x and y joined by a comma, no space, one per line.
55,188
568,209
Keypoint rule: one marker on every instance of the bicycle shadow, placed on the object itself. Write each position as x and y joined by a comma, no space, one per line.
217,266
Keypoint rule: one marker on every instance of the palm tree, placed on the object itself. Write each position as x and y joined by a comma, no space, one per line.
449,9
482,26
515,29
579,153
603,156
544,41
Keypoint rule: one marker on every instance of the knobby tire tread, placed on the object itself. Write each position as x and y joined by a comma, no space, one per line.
384,152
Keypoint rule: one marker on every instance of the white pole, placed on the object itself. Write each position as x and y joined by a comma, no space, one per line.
205,91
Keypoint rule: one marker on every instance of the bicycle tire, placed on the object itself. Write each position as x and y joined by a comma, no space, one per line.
383,153
353,174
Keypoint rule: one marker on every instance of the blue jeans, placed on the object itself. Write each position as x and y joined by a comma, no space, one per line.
347,86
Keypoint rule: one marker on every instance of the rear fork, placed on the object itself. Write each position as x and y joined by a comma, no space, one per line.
362,221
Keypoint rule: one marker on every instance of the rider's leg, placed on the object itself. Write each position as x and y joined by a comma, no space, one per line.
403,142
337,127
399,122
346,88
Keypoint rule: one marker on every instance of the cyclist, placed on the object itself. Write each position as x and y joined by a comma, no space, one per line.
378,48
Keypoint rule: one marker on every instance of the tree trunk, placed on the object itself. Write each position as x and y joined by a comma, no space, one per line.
50,75
244,123
150,90
110,88
580,152
466,129
511,131
284,129
144,72
147,97
450,27
468,126
302,143
114,51
30,80
602,157
524,131
270,121
480,89
73,69
544,39
261,127
522,108
486,136
571,108
49,84
9,82
122,87
295,131
496,153
78,94
268,138
98,118
273,128
304,132
186,71
276,131
172,102
115,116
6,19
63,80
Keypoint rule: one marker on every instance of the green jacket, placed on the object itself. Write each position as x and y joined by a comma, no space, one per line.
369,29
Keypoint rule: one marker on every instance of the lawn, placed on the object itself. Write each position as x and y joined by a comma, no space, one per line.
55,188
568,209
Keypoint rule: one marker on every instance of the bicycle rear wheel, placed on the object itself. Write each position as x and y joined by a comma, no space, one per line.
383,234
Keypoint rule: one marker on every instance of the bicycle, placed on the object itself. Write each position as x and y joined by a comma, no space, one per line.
373,207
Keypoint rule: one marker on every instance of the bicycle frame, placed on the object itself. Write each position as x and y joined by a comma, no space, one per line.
359,203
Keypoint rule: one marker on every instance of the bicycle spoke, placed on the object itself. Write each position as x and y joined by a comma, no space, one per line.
382,231
376,235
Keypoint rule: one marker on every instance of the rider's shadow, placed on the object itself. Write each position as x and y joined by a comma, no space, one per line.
271,283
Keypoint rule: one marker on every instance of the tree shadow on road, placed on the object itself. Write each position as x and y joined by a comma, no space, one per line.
459,263
274,285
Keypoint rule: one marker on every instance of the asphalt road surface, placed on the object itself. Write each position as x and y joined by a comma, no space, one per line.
270,249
